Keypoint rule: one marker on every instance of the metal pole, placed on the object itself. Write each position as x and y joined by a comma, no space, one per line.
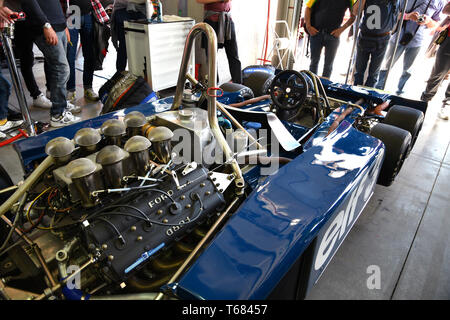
355,41
397,40
295,31
7,48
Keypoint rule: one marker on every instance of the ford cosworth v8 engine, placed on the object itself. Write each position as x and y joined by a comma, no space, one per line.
132,200
124,236
119,200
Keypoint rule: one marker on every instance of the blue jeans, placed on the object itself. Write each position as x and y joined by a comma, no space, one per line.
5,91
437,76
373,50
120,16
410,55
86,35
58,69
317,43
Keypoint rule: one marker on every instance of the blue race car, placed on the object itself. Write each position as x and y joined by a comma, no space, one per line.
210,194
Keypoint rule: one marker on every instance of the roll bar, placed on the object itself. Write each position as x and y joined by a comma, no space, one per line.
208,31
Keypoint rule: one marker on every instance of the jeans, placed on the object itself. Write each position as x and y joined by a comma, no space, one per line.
58,70
120,16
373,50
231,49
440,70
5,91
23,42
323,40
86,35
410,55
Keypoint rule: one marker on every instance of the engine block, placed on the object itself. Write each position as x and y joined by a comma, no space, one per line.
124,239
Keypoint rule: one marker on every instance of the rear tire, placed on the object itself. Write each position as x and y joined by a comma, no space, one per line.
408,119
397,142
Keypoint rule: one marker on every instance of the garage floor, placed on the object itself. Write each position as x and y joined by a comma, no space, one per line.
405,229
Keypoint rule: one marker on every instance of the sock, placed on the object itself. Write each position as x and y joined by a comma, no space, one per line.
3,122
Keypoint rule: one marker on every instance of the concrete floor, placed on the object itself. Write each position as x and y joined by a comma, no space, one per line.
404,230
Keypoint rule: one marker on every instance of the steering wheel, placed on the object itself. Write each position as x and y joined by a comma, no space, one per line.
289,90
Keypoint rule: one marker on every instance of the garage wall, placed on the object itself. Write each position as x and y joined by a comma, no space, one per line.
250,17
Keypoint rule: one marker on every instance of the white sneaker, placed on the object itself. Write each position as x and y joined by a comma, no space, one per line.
65,119
42,102
2,136
444,113
73,108
71,95
10,124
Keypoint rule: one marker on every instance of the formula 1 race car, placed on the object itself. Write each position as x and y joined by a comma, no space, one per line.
210,194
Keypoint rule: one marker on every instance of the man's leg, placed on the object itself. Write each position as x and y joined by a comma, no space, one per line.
331,47
390,53
362,60
5,124
5,91
71,57
440,70
231,50
376,61
24,49
58,69
447,96
119,17
408,61
316,45
87,41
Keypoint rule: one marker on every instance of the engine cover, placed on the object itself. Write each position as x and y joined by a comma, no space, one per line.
140,240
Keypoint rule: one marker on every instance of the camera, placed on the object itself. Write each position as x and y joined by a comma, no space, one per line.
421,18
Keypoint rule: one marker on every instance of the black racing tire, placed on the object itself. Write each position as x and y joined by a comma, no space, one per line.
406,118
259,82
5,182
397,142
245,92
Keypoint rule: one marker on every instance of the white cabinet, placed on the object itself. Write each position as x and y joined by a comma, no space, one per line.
155,50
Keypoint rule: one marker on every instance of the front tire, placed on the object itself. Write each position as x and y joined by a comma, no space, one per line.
406,118
397,142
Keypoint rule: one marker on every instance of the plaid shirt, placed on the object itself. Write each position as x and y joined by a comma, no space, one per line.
97,8
99,11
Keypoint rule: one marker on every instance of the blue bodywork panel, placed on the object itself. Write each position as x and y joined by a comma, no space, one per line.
279,219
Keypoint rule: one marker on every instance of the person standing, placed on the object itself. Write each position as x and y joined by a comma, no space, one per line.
374,38
421,15
323,19
49,31
23,42
441,69
217,15
121,13
88,8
